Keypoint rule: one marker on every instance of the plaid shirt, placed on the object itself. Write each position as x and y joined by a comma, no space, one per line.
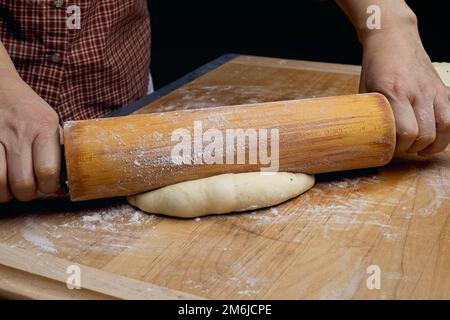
86,72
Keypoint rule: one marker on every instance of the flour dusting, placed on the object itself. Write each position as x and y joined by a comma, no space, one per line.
116,228
31,233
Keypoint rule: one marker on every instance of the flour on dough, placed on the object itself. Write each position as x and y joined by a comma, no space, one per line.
222,194
443,69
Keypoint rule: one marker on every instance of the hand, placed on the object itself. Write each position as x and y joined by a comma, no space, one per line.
396,65
29,141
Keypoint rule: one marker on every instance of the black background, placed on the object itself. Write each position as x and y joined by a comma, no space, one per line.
188,34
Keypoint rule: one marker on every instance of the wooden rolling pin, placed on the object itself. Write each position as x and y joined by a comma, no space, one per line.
129,155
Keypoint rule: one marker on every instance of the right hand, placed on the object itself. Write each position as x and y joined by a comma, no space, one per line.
30,135
396,65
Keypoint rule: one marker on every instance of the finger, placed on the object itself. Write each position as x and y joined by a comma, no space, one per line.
424,111
442,114
406,124
47,162
20,172
5,194
61,135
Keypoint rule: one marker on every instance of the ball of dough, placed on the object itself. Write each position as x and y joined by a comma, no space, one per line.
222,194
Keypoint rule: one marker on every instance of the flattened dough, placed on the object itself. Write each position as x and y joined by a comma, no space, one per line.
443,69
222,194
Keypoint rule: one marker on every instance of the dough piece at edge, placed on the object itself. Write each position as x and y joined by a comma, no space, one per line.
223,194
443,69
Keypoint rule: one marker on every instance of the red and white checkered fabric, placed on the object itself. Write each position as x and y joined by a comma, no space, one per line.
82,73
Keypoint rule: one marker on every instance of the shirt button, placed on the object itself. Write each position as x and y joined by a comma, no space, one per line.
56,58
59,3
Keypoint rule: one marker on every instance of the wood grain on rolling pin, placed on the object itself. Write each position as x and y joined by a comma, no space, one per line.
128,155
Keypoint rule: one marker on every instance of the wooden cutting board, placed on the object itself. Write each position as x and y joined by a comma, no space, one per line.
318,246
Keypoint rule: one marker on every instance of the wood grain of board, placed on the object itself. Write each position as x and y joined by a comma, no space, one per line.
317,246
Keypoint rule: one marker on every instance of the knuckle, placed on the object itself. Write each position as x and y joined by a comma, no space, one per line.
426,139
45,172
50,120
16,134
389,85
408,132
427,88
16,148
25,126
48,189
25,196
46,125
443,124
22,186
17,127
